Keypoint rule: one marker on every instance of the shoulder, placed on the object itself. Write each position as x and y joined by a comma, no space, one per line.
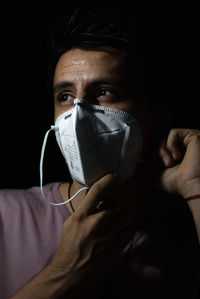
24,212
31,199
29,234
32,192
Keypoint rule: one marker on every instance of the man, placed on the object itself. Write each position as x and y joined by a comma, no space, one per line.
117,239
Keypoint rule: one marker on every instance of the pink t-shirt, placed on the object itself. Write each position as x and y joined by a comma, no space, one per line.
161,262
30,229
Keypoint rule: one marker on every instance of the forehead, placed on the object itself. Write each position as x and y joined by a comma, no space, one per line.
79,64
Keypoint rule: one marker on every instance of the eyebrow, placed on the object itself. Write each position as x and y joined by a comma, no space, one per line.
62,84
100,81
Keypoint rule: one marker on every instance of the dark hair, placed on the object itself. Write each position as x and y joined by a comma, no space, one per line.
90,29
137,34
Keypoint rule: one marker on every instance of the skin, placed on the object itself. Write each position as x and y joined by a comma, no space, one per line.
92,240
180,153
85,70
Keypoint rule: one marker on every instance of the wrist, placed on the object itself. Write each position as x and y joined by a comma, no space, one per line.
191,188
193,197
47,284
62,280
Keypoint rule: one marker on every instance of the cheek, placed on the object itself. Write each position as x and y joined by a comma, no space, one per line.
145,120
144,117
58,110
128,105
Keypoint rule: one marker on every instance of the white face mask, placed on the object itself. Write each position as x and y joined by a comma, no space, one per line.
96,140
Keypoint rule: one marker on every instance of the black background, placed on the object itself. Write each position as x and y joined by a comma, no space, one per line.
26,106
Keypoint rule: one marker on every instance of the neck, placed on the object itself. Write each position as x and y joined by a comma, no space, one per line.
133,191
65,189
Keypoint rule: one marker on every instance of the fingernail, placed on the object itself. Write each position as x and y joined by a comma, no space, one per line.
165,160
174,155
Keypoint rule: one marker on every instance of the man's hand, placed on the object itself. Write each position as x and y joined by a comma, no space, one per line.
90,247
92,240
181,156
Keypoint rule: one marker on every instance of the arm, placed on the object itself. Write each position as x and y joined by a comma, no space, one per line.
89,248
195,209
181,156
47,284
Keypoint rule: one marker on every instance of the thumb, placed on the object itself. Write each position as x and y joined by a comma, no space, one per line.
98,190
168,180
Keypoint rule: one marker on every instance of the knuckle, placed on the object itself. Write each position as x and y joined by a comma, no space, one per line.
193,135
196,133
78,217
196,138
173,139
173,131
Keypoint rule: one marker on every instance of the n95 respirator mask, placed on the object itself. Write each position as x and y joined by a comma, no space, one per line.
96,140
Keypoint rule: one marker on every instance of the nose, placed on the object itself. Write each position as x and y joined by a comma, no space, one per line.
81,92
87,96
86,92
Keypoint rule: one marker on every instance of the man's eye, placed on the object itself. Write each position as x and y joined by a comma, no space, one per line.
66,98
104,92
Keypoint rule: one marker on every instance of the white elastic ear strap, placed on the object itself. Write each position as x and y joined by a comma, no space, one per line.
54,128
42,157
68,200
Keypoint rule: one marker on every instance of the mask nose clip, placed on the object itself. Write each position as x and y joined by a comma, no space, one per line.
78,100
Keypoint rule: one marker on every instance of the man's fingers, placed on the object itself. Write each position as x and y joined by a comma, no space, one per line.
166,155
172,149
191,135
98,191
174,143
169,150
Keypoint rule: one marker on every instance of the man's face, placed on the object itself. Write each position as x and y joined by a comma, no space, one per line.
100,77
